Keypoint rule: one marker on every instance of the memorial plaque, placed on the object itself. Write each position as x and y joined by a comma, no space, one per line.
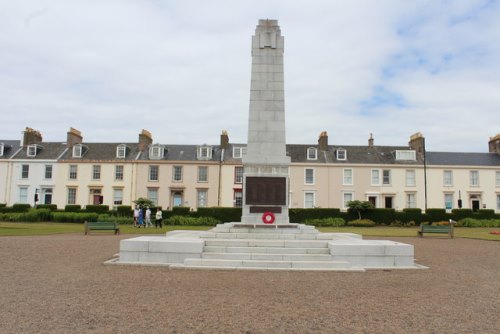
265,191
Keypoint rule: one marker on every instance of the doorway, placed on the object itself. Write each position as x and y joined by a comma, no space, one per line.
388,202
373,200
476,204
177,198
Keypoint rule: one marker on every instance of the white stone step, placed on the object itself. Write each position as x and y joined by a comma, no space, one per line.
267,256
269,250
265,263
267,243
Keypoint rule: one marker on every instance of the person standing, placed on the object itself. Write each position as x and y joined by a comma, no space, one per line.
159,218
136,215
140,219
147,215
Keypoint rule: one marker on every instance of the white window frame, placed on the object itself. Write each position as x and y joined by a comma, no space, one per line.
375,181
389,177
50,174
119,170
201,198
153,195
411,200
73,172
497,179
31,151
117,196
2,148
154,176
498,202
238,198
238,175
96,172
307,202
448,178
239,152
312,153
175,178
23,195
347,180
341,154
77,151
156,152
411,178
344,201
25,171
406,155
71,195
121,151
200,174
474,178
312,179
447,196
204,152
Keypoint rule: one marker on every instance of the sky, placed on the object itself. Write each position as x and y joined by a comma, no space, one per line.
181,70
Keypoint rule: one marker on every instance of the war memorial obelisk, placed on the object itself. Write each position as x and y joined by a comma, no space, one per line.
265,177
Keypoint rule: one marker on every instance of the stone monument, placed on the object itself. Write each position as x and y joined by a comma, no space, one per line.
265,176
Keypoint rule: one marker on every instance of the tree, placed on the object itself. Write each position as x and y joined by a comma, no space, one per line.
144,202
359,207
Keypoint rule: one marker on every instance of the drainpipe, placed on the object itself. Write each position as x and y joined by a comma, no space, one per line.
220,175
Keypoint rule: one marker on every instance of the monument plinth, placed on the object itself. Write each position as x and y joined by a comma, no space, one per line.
265,176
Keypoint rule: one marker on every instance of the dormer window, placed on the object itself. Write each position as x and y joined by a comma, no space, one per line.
77,151
408,155
204,153
341,154
121,151
2,146
312,153
31,151
239,152
156,152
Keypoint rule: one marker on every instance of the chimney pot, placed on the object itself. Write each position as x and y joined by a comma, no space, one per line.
323,141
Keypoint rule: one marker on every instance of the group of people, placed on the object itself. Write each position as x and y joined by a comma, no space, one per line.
143,218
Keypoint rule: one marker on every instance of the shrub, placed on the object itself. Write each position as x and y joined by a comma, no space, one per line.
459,214
381,216
72,208
20,207
301,215
400,223
32,215
484,214
124,210
224,215
181,210
361,223
326,222
74,217
441,223
436,215
3,205
97,208
471,222
51,207
118,219
411,214
193,221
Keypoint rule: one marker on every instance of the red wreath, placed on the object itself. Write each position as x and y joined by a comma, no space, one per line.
268,217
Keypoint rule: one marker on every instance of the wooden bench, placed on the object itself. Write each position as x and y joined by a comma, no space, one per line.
102,226
444,229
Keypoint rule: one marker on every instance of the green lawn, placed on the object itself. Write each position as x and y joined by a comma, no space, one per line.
20,229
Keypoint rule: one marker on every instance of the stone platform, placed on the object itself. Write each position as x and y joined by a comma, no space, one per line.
266,247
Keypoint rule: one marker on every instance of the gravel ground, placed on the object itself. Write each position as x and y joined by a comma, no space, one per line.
58,284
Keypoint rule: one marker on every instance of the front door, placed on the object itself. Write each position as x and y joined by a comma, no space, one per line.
177,199
373,200
388,202
475,204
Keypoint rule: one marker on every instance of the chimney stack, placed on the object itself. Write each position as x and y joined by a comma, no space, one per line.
145,139
494,144
370,140
31,136
323,141
74,137
224,140
417,143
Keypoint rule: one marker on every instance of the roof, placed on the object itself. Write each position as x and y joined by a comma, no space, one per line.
10,147
45,151
463,159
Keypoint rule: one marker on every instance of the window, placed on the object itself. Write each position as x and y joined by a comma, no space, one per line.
119,172
23,195
31,151
406,155
238,174
121,151
309,200
375,177
497,178
448,201
153,195
410,178
25,171
153,173
386,176
498,202
312,153
177,174
48,172
239,152
71,196
2,147
77,151
117,196
73,172
202,174
96,172
411,200
341,154
156,152
201,198
309,176
447,178
238,198
204,152
347,179
346,198
474,178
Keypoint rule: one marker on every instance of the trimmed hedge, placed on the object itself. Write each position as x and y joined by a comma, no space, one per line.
193,221
181,210
361,223
21,207
470,222
334,222
32,215
72,208
51,207
74,217
225,215
436,215
301,215
124,210
97,208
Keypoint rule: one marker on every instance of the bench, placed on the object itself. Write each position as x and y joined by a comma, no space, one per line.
444,229
101,226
